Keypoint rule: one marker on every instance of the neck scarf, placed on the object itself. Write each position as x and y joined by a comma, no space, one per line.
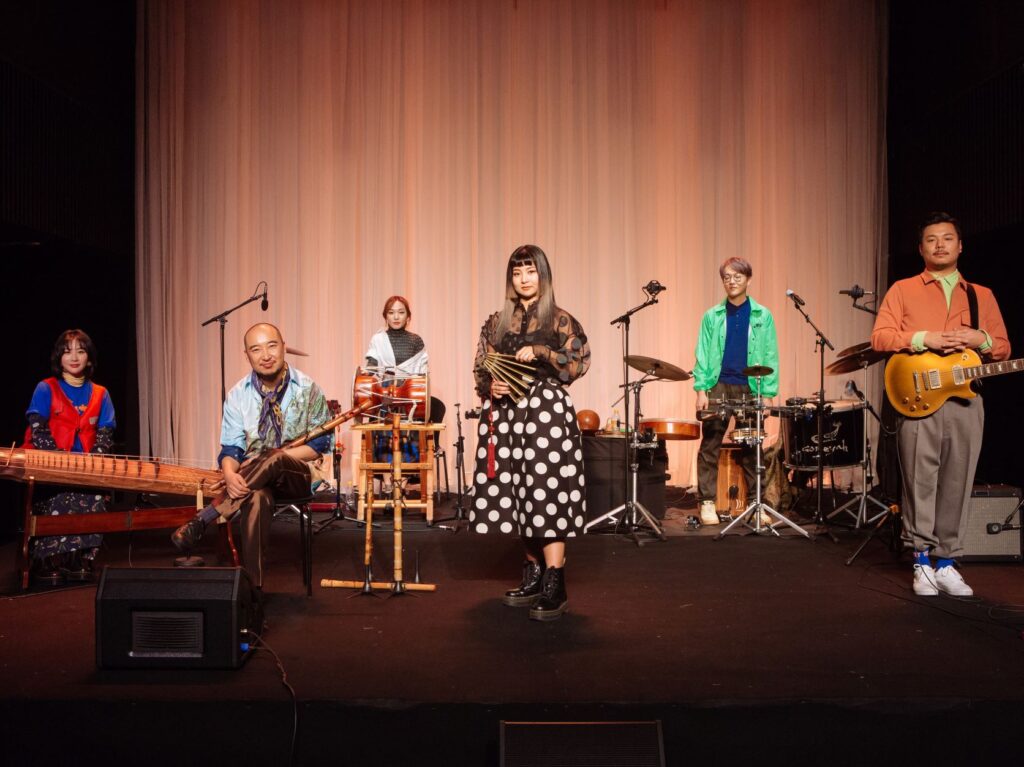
271,423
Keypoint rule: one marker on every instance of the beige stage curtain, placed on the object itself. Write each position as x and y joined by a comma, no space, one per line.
347,151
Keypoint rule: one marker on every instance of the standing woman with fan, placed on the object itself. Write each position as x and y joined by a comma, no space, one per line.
529,465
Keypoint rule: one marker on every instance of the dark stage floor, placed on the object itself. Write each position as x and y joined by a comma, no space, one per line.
753,649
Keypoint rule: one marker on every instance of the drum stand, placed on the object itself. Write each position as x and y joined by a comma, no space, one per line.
867,480
636,519
757,507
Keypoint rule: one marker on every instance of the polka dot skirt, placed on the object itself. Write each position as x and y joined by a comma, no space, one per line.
538,488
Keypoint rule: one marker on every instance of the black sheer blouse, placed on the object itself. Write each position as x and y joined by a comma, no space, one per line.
562,349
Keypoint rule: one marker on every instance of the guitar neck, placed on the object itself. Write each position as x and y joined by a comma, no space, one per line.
994,368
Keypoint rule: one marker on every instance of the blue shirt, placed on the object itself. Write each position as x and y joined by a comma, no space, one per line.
42,399
303,406
737,328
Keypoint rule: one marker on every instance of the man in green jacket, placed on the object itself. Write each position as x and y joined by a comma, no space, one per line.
734,334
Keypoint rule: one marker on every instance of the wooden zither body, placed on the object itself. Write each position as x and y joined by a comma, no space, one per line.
113,472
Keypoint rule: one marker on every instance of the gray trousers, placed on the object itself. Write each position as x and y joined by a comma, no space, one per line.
938,456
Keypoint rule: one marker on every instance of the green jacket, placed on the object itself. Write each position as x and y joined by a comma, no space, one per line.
762,348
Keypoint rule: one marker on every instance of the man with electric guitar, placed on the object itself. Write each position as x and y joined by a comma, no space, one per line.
938,325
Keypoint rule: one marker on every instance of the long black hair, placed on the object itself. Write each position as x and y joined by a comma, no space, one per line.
528,255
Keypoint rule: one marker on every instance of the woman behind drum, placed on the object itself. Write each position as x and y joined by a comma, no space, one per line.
529,467
396,349
71,413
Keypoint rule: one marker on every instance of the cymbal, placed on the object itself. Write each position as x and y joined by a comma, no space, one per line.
855,349
657,368
295,352
758,371
861,359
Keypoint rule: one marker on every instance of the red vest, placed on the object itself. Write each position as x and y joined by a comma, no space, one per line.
65,421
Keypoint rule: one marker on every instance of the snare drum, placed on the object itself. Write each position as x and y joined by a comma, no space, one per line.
842,435
408,396
745,436
670,428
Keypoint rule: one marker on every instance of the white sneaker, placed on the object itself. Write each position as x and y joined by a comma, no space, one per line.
949,581
925,580
708,513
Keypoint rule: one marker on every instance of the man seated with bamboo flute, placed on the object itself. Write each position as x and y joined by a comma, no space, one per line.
267,409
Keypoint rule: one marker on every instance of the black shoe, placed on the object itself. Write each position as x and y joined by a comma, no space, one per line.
189,534
553,599
528,591
78,568
50,570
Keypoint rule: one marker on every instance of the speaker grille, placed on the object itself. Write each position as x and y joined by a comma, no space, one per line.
167,634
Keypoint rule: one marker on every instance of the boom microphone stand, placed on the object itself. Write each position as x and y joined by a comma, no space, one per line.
222,319
820,342
651,290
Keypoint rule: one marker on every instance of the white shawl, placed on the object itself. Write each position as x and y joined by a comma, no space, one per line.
380,350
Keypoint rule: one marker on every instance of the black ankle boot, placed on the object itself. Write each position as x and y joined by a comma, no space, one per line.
553,599
528,591
50,570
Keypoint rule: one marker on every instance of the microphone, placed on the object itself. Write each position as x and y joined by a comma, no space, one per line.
654,287
796,299
855,292
264,303
851,391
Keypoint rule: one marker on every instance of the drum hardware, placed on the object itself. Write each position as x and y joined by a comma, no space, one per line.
861,500
753,517
635,518
820,342
657,369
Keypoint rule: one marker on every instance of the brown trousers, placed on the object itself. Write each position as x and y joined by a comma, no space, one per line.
271,476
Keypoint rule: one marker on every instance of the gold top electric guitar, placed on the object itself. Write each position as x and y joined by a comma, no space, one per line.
919,384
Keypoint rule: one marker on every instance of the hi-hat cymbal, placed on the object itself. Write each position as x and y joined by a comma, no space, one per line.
855,349
657,368
848,364
758,371
296,352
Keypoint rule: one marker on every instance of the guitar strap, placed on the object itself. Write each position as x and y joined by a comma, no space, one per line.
972,302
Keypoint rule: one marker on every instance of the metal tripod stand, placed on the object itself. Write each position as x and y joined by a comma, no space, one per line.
861,500
752,518
635,518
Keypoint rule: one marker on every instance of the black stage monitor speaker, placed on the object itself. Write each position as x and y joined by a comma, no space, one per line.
582,744
993,525
172,617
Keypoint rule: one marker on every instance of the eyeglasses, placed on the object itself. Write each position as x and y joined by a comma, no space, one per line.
734,278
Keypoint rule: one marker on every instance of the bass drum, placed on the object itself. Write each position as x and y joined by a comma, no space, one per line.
409,396
842,435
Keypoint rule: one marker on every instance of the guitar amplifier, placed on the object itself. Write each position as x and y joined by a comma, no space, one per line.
994,525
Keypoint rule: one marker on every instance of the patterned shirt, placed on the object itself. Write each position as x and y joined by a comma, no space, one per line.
303,405
562,349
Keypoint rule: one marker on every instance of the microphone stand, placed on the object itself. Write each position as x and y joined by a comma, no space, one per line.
222,319
820,342
623,321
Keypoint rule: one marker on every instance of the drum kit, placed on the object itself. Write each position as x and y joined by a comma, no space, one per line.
635,518
758,517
